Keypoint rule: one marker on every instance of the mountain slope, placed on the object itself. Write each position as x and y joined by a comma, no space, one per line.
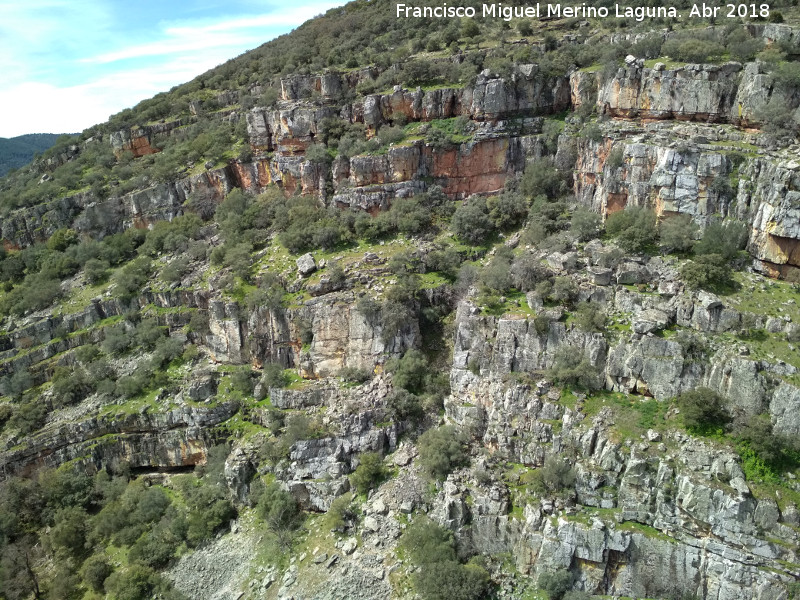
18,151
488,319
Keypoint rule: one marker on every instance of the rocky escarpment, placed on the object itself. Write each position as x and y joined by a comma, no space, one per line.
651,171
637,361
171,437
707,181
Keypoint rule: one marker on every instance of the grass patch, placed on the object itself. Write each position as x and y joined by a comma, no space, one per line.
668,63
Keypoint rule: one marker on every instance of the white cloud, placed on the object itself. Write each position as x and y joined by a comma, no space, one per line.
228,33
108,82
35,107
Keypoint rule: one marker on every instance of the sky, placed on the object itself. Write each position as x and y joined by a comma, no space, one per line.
68,64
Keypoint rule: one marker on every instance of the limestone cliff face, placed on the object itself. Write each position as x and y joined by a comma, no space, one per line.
727,93
139,140
680,180
636,362
666,179
713,538
176,437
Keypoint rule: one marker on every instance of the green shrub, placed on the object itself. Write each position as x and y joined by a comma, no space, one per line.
723,239
703,411
279,510
354,374
707,271
554,477
589,317
555,583
507,211
409,371
440,575
369,473
496,275
542,178
527,271
571,367
471,221
28,416
634,228
96,270
442,450
676,233
693,50
273,375
402,405
95,571
776,452
131,279
585,224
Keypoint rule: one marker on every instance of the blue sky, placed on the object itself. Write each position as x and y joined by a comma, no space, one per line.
68,64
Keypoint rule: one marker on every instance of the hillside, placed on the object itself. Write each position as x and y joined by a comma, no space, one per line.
19,151
417,308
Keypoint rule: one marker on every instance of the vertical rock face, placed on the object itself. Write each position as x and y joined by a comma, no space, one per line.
673,180
727,93
673,516
665,179
341,336
138,140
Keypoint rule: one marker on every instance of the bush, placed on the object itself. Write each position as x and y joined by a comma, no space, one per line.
402,405
442,450
28,416
95,571
409,372
441,576
564,290
723,239
703,411
96,270
471,221
676,233
542,178
709,271
693,50
554,477
450,580
131,279
778,118
527,271
507,211
69,531
369,473
354,374
409,215
497,274
763,450
585,224
138,582
571,367
396,317
273,375
555,583
634,228
280,511
589,317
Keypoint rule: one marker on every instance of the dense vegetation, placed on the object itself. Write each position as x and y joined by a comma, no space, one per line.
68,534
19,151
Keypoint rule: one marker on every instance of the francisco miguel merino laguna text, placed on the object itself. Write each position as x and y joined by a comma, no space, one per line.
537,11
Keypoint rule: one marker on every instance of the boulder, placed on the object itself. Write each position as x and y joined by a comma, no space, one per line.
306,265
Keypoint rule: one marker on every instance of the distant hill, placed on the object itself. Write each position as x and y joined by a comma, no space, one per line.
18,151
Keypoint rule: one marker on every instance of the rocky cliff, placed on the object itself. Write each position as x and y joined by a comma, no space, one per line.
318,352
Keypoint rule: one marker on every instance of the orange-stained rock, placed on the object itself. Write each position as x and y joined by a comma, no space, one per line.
140,146
477,168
